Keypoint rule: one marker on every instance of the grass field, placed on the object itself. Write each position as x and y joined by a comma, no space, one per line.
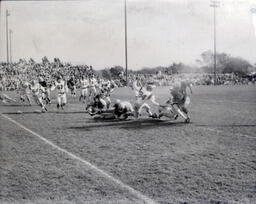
68,157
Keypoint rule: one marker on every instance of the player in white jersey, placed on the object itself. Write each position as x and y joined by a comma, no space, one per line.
145,94
136,86
25,92
62,89
84,83
37,90
92,87
106,89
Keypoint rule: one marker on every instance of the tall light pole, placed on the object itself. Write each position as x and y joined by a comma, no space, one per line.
125,33
7,41
214,4
10,33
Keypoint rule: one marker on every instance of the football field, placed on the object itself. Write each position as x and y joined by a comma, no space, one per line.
69,157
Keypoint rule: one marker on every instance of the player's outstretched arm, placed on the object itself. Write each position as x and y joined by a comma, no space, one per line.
153,100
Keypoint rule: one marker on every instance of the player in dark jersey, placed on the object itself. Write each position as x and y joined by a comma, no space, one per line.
71,83
46,93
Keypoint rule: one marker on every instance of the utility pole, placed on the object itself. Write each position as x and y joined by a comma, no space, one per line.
7,47
214,4
10,33
126,57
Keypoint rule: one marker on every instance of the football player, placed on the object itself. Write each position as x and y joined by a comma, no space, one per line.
92,87
84,82
46,93
180,100
37,90
123,109
24,91
136,86
71,83
145,94
62,89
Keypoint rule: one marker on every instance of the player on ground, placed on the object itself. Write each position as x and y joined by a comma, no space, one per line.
97,105
123,109
37,90
62,89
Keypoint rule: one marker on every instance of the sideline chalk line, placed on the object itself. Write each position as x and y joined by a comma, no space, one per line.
138,194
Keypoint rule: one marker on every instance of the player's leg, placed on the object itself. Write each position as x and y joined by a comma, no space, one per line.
168,112
28,98
74,91
81,95
108,101
180,112
39,101
102,104
43,96
22,97
58,101
147,108
63,100
85,95
136,108
94,91
48,96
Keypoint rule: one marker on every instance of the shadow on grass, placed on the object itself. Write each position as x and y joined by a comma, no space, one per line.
127,124
16,105
39,112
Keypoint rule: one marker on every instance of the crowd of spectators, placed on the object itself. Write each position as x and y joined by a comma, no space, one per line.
196,79
11,75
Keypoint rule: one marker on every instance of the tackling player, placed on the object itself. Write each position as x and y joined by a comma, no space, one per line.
145,94
37,90
24,92
180,100
46,93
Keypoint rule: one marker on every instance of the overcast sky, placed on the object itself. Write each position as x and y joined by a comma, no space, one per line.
159,31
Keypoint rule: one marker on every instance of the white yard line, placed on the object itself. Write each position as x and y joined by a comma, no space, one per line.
136,193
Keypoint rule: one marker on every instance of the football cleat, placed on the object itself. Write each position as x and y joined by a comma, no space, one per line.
187,120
